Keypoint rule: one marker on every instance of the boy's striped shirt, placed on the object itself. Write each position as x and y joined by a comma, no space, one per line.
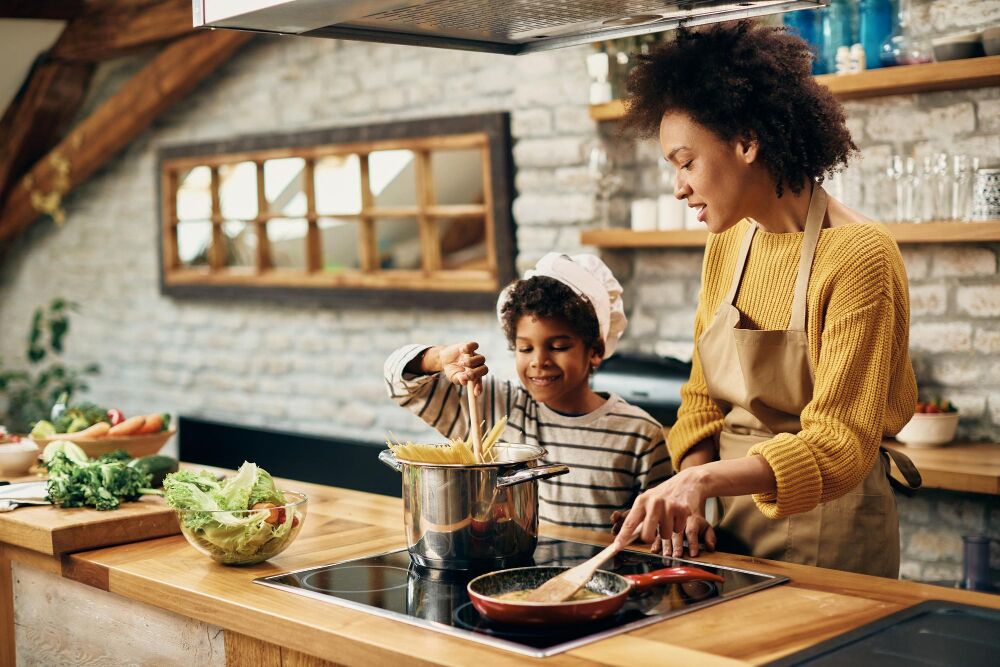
613,453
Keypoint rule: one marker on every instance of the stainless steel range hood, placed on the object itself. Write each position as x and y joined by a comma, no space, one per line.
498,26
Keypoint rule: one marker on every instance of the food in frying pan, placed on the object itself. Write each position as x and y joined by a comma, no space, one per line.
457,451
522,595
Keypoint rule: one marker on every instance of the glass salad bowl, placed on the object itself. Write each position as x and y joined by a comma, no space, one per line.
244,537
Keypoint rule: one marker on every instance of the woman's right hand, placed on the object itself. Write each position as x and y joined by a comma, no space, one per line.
461,364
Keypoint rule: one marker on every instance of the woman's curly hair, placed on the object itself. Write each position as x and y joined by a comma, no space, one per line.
745,80
542,296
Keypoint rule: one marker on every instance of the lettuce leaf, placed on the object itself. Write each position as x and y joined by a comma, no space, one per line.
220,522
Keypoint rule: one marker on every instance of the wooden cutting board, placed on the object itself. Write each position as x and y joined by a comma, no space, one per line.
53,530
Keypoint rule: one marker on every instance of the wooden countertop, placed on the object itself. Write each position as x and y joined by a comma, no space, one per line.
169,574
972,467
52,530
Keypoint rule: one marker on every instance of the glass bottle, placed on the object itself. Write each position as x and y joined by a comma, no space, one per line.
805,23
836,29
875,26
902,48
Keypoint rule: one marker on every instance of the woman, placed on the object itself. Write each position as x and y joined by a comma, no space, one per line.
801,364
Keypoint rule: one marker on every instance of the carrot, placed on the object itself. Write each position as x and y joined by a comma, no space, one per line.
96,430
153,424
128,427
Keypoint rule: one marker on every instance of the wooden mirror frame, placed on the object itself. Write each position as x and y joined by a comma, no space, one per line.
370,286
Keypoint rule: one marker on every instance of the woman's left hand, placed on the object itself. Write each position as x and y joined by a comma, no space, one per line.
668,513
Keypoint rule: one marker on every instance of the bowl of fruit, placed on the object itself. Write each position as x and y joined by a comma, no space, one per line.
97,430
933,424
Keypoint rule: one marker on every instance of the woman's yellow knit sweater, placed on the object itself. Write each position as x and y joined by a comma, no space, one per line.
858,322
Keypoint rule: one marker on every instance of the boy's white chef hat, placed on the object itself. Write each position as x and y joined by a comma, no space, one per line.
593,281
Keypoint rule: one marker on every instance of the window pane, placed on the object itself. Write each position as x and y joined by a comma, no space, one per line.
288,243
194,194
398,243
238,191
463,244
194,238
340,244
241,243
283,186
338,185
457,176
391,177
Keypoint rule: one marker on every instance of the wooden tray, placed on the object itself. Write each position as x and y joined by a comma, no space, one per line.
135,445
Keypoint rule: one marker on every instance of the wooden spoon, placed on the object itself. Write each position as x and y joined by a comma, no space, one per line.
562,587
477,437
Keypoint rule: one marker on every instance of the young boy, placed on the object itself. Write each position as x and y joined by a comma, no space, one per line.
562,319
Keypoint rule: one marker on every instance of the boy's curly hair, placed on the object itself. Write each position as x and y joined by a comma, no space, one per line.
745,80
542,296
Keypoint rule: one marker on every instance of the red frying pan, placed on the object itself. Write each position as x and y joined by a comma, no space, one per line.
611,588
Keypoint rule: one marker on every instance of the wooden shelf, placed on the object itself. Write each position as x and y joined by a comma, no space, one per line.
972,467
951,75
904,232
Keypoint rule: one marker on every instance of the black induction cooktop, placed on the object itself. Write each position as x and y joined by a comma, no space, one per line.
391,585
932,633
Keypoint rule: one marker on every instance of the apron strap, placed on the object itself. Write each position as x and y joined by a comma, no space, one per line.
741,262
907,469
814,223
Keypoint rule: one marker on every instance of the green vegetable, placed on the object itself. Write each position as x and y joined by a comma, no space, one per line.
78,424
79,416
43,429
156,465
219,517
76,481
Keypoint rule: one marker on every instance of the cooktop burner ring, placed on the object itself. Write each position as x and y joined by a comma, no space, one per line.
396,577
468,618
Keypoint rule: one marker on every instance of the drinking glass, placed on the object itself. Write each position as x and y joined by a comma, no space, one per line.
602,172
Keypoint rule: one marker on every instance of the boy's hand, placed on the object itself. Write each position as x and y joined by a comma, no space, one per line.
461,365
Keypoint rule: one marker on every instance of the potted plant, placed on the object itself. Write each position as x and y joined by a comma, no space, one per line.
30,393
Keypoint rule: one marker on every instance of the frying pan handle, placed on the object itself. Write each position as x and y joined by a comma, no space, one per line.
387,457
528,474
671,575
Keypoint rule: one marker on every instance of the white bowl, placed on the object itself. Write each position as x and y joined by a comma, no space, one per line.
17,457
929,430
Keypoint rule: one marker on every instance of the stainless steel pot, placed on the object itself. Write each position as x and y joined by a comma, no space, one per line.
471,517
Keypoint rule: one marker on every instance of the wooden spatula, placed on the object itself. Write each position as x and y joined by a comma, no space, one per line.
563,586
477,436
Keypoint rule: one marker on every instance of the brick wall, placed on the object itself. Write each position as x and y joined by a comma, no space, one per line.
319,371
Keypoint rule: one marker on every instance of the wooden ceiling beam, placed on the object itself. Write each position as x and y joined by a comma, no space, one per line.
124,27
170,76
40,116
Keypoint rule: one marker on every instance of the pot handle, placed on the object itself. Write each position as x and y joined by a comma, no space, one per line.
671,575
529,474
387,457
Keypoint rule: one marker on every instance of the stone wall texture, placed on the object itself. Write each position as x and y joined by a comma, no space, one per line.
319,370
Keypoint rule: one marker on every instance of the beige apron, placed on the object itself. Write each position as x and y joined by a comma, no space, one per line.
762,380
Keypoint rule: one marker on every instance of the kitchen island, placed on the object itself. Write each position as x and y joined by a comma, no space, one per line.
214,615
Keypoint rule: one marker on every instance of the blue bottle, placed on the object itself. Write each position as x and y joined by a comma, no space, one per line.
875,27
836,30
805,23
